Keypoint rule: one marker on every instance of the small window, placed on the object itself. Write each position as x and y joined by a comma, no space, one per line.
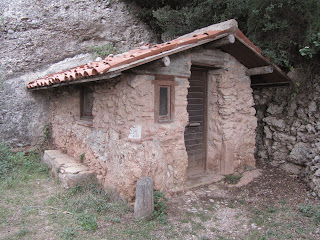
86,103
164,101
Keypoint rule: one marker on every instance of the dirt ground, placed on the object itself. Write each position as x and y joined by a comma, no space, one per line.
265,208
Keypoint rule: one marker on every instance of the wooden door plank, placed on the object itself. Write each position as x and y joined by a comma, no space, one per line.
194,134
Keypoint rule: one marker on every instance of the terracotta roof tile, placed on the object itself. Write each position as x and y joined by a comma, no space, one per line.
103,66
107,64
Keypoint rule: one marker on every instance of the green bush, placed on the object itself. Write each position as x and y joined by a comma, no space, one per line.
313,49
104,50
160,206
232,178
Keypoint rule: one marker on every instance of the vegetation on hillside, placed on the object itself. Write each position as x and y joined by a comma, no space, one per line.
281,28
104,50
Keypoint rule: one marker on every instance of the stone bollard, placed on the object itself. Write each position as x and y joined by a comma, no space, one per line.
144,205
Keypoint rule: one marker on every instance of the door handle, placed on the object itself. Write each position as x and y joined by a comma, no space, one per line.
194,124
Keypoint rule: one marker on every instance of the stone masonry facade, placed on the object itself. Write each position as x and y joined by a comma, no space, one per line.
119,161
231,118
127,101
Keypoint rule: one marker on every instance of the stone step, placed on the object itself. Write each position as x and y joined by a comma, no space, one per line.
67,169
202,179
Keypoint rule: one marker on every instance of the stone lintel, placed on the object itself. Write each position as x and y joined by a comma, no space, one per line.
208,58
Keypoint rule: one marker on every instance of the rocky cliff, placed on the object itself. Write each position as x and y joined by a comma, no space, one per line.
46,36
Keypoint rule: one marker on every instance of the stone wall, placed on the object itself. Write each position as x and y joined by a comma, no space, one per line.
119,162
128,101
288,127
35,35
231,119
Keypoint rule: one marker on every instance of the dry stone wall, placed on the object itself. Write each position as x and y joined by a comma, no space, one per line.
289,126
35,35
120,105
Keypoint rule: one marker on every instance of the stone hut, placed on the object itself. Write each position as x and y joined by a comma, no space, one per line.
179,112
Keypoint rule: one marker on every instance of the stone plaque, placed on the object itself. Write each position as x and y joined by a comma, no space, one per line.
135,132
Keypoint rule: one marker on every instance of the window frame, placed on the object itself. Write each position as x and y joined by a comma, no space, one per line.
170,85
83,98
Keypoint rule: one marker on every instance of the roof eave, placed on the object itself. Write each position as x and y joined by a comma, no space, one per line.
118,69
242,49
80,81
251,56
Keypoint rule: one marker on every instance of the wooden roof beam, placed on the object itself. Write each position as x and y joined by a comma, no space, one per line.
163,62
222,42
272,84
259,70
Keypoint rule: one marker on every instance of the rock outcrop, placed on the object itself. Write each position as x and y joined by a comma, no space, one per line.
36,35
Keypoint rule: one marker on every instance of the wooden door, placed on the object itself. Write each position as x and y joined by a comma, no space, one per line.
195,132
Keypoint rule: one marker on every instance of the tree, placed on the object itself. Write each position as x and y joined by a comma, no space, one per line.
280,27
